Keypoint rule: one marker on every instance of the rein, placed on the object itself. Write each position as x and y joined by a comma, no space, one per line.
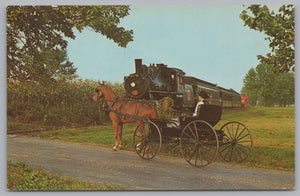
118,110
113,101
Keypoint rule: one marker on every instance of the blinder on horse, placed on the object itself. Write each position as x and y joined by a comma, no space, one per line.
98,94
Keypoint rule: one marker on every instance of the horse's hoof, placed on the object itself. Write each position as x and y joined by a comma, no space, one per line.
114,148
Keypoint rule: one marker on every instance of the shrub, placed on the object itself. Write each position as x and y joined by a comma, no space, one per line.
64,104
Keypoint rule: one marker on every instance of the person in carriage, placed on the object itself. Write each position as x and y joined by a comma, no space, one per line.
201,100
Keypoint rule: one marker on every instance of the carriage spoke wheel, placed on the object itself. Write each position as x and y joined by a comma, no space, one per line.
199,143
147,140
236,142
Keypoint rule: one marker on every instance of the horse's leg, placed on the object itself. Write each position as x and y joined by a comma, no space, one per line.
120,129
115,125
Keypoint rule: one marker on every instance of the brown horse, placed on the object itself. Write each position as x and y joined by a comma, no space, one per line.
118,105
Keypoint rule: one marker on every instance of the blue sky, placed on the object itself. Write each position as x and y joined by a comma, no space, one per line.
205,41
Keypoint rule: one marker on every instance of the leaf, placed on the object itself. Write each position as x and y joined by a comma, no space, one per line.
279,29
41,31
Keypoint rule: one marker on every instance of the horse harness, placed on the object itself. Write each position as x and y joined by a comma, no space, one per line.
118,110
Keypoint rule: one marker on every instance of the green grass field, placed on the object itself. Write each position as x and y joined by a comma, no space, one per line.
21,177
272,129
273,132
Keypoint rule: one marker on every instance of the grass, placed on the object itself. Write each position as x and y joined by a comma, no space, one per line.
14,126
21,177
273,132
272,129
96,135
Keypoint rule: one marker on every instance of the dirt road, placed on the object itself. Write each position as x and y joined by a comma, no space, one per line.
124,168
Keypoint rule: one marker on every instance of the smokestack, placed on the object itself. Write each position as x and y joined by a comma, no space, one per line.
138,65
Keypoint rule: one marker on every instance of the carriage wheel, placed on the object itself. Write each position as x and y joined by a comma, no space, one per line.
147,140
199,143
236,142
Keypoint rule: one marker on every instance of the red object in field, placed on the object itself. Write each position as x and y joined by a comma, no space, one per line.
244,101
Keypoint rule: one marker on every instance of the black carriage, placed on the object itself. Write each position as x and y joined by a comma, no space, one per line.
199,142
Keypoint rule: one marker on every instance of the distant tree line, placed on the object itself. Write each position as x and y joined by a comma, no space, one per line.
264,87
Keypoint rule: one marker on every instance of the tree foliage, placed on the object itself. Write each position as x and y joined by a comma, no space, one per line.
250,87
36,37
264,87
279,26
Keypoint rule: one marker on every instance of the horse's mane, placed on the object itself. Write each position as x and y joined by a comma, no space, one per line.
110,92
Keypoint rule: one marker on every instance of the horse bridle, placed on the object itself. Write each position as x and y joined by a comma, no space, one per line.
98,90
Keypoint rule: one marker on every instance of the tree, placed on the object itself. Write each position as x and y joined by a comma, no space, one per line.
264,87
266,80
250,87
48,66
285,87
279,26
36,36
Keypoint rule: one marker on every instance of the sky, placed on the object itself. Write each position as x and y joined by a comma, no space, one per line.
209,42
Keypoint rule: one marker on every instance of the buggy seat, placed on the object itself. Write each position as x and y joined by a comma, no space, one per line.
208,113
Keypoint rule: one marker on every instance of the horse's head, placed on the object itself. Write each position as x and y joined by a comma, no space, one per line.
98,93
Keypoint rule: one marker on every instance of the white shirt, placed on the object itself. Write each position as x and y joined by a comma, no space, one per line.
197,106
